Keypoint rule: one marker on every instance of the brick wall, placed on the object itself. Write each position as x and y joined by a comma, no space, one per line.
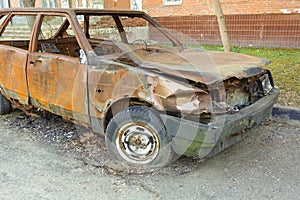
206,7
14,3
201,7
120,4
271,30
272,23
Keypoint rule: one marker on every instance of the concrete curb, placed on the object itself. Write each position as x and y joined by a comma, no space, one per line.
286,112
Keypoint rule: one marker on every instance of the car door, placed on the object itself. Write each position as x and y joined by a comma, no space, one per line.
56,78
14,45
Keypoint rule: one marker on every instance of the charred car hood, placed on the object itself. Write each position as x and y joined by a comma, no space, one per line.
200,66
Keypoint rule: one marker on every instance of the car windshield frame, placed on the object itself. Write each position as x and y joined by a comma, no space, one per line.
130,14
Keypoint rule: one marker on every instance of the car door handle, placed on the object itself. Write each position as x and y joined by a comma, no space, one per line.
33,62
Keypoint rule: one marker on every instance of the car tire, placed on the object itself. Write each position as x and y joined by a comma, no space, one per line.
136,136
5,105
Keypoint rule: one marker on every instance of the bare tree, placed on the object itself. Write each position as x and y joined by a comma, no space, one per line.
28,3
222,26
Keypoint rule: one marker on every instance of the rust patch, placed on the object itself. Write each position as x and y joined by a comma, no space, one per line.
59,81
13,72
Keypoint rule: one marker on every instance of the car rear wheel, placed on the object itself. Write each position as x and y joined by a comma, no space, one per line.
5,105
137,136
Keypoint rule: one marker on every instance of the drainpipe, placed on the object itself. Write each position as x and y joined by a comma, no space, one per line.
84,4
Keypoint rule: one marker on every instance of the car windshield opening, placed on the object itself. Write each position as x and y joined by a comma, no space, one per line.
107,33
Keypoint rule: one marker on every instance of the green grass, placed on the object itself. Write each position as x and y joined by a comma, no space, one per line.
285,68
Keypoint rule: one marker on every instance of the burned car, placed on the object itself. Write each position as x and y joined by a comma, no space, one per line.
123,75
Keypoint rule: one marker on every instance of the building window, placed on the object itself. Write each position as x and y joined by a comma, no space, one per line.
49,4
65,4
4,4
172,2
97,4
136,5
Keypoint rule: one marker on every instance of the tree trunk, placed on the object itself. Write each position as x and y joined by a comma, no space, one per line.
28,3
70,3
222,26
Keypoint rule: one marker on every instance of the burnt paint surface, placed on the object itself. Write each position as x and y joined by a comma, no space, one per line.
116,86
113,82
201,66
58,83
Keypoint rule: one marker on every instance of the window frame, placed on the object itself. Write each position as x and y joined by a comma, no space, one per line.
38,30
9,18
173,3
5,4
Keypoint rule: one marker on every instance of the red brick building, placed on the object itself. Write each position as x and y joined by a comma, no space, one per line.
175,7
115,4
206,7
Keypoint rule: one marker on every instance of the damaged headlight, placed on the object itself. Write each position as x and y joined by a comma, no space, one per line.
190,102
266,84
187,103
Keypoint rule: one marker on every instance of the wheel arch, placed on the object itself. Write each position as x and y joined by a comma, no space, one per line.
121,104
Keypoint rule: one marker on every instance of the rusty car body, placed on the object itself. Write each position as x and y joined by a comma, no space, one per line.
120,73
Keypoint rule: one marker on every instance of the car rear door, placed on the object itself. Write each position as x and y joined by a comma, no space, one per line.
14,45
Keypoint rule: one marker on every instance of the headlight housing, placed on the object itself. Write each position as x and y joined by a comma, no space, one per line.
190,102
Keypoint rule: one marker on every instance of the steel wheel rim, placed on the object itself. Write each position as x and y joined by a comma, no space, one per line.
137,143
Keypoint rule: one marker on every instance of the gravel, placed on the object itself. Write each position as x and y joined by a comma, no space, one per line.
47,158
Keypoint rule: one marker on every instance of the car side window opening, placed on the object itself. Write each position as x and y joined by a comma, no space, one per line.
56,36
103,28
17,32
102,33
139,31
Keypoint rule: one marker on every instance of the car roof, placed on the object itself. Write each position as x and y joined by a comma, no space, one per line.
71,10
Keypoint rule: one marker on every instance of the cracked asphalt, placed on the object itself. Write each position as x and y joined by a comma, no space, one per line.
265,165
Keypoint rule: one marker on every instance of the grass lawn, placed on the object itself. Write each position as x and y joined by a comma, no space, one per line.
285,68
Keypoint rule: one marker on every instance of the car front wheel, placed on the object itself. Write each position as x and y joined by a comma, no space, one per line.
137,136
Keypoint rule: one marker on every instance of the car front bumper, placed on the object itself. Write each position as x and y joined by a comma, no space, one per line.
201,140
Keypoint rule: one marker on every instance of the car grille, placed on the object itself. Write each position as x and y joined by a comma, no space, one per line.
247,91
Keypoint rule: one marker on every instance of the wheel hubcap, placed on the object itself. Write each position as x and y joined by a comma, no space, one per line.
137,143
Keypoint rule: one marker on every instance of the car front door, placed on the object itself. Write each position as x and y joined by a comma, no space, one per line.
56,78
